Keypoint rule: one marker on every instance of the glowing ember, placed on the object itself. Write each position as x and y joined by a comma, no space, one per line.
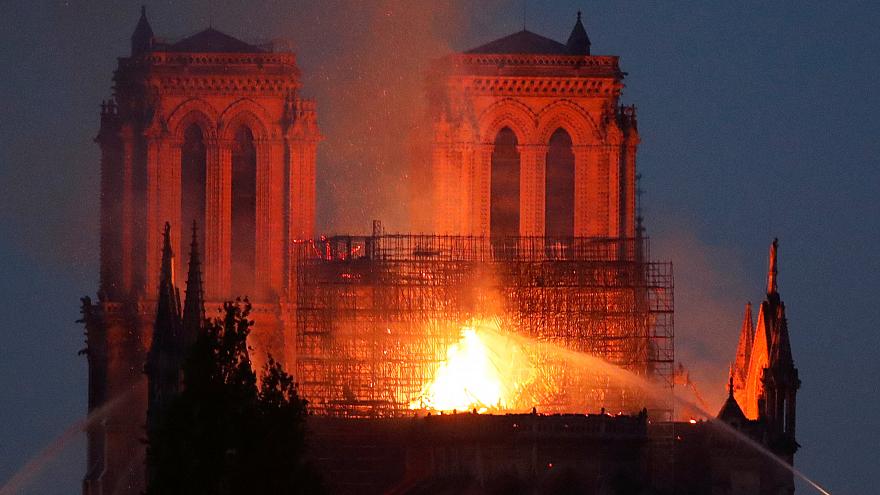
483,371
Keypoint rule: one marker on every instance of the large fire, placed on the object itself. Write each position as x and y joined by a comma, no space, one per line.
485,370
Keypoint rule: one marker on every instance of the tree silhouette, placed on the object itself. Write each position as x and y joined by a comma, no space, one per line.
223,435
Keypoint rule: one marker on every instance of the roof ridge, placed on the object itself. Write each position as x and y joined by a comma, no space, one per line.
212,39
524,41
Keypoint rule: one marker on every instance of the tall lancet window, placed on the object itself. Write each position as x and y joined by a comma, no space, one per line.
559,191
504,199
193,163
244,212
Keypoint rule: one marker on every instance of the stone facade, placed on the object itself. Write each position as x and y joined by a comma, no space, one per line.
529,139
535,88
207,130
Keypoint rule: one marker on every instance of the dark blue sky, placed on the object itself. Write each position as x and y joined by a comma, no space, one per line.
757,120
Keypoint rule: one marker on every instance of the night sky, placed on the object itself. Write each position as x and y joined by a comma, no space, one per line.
758,120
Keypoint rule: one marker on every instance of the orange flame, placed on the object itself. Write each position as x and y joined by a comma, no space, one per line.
484,371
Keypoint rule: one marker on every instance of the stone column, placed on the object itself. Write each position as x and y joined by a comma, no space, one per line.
262,240
154,215
112,198
586,187
127,220
533,189
441,172
171,198
293,157
629,187
526,189
310,156
466,190
614,191
276,215
482,189
301,156
218,219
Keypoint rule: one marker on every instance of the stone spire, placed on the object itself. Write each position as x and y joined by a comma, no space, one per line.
744,350
142,38
780,377
168,306
772,270
163,359
194,303
578,41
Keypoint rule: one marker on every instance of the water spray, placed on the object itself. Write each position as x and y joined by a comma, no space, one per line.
36,464
631,379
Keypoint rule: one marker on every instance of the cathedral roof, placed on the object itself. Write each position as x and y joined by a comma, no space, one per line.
523,42
210,40
529,43
730,412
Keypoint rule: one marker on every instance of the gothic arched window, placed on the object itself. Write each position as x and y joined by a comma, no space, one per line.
244,212
504,195
193,171
559,190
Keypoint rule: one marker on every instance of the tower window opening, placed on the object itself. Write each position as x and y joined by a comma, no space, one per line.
504,194
244,212
193,172
559,193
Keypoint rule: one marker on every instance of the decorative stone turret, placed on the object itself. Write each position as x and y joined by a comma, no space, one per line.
578,41
142,38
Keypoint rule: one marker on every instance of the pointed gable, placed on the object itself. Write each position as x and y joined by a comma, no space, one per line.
210,40
523,42
744,349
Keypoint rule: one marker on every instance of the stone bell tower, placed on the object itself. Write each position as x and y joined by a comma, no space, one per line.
212,130
530,140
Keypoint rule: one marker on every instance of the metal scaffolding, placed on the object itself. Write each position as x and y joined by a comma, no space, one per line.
375,316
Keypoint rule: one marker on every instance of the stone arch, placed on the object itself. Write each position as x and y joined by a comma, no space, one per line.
246,129
504,186
572,118
193,111
559,187
507,113
248,113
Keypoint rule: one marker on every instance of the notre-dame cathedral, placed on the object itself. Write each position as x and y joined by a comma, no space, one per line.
208,146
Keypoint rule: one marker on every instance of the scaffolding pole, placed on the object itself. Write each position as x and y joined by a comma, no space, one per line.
375,316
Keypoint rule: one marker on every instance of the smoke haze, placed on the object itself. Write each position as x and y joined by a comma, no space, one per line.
746,135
